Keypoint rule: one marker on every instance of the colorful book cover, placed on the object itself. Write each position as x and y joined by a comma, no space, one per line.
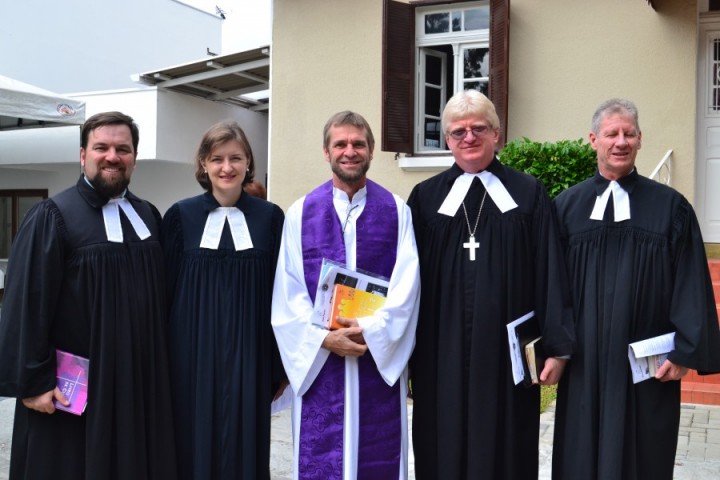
72,380
349,302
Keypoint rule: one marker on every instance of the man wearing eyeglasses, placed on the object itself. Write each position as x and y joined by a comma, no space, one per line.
489,254
349,384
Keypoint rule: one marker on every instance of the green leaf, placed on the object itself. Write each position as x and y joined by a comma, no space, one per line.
558,165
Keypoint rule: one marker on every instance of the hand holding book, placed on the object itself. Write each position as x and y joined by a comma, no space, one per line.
72,382
45,403
329,304
342,322
349,303
342,342
554,368
669,371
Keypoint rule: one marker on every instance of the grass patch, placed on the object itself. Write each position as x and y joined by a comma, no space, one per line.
547,396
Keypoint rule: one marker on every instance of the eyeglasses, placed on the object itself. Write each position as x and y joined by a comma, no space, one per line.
477,131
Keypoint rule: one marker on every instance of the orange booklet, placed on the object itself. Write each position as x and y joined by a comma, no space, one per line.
348,302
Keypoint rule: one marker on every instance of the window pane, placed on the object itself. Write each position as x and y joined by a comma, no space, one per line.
5,225
432,133
432,101
457,21
481,86
433,70
476,63
437,23
477,18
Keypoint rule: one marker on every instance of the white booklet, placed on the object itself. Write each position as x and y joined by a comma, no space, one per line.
516,339
646,356
332,273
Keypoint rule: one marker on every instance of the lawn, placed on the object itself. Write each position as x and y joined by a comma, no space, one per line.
547,396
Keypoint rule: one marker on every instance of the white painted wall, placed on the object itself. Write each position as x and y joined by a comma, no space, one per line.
183,119
247,25
82,45
55,179
171,127
140,104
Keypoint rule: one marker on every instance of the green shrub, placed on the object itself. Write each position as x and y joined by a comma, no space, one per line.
558,165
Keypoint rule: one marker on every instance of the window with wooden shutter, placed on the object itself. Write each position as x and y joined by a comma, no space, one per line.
499,48
398,77
432,50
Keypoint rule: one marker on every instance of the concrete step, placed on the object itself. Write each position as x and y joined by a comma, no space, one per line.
702,389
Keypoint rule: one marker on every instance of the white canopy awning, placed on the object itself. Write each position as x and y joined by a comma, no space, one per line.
23,105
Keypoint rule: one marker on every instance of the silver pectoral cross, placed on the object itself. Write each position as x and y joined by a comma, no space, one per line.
471,245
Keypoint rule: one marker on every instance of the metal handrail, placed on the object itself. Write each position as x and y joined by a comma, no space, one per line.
665,162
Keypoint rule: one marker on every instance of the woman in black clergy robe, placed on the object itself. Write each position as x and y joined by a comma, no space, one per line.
221,249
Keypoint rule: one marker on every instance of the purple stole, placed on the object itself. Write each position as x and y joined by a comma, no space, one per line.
322,418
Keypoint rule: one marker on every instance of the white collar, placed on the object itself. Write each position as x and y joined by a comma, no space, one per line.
111,217
238,228
621,203
357,198
493,185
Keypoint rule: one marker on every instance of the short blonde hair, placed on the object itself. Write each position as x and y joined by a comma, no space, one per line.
469,103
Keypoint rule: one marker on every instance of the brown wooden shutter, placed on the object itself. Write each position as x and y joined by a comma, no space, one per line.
398,70
499,57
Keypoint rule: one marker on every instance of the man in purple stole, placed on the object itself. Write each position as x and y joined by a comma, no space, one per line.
349,384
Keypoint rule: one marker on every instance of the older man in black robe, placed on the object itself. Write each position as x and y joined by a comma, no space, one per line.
489,254
638,271
86,277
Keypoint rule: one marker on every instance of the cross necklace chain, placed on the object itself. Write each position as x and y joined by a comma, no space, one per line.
471,244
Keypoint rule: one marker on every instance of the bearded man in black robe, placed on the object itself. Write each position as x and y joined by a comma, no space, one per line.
638,270
489,254
86,276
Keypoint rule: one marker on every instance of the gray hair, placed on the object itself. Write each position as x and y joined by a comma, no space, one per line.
614,106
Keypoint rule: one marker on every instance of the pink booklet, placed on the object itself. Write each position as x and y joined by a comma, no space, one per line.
72,380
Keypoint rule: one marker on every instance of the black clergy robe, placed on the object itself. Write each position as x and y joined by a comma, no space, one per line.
71,289
631,280
469,418
224,362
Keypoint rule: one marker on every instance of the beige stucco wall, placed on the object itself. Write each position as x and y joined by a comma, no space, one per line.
565,58
326,57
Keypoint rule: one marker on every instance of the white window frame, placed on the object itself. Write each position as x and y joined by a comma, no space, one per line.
422,84
429,158
460,78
